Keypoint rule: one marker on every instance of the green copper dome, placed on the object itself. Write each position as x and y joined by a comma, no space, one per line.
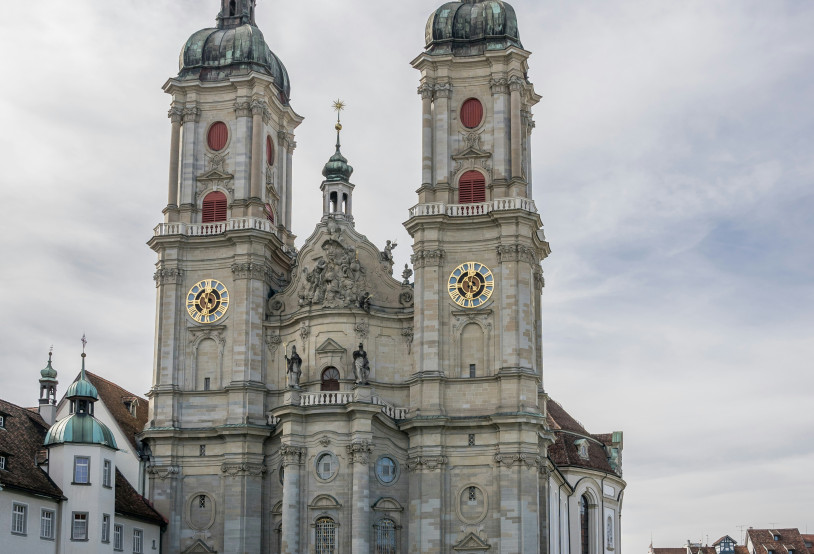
471,27
337,168
235,47
80,428
48,373
82,388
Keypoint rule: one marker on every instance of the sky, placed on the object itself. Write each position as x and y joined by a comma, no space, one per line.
673,168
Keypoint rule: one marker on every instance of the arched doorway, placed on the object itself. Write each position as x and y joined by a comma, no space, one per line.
330,379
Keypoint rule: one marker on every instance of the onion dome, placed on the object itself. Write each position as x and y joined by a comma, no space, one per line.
235,47
472,27
81,426
337,168
48,373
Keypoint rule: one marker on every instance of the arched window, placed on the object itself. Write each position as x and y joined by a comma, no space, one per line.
584,532
330,379
385,536
269,213
232,8
325,536
472,188
214,207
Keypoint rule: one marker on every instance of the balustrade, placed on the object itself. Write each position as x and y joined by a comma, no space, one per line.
209,229
480,208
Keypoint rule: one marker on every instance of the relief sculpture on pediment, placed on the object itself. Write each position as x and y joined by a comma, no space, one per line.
337,279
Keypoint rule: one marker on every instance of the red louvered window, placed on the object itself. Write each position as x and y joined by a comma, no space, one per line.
471,113
269,213
472,188
218,135
269,151
214,207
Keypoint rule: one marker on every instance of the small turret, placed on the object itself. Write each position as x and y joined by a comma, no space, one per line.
48,392
337,190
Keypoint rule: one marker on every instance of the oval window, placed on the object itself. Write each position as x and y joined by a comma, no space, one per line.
386,469
269,151
218,135
471,113
326,466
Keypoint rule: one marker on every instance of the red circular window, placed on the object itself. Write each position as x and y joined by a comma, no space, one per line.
269,151
218,134
471,113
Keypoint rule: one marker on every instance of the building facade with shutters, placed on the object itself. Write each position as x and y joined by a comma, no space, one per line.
305,399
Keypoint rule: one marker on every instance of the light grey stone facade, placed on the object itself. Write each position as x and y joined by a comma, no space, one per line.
448,445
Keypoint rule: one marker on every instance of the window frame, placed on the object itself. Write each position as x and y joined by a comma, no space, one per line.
381,529
75,466
329,534
118,537
2,421
52,513
334,466
106,528
3,463
78,516
19,516
107,474
138,541
472,187
395,469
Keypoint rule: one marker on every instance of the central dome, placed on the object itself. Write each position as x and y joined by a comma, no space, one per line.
471,27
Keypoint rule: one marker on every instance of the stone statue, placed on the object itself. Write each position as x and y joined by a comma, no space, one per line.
294,370
387,255
406,274
364,301
361,366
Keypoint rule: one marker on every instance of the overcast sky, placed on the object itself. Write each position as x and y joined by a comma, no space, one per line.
673,167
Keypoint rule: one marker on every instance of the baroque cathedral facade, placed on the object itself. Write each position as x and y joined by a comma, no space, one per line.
306,400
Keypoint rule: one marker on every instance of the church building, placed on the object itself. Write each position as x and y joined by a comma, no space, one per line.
304,398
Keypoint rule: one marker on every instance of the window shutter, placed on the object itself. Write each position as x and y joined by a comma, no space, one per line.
471,113
471,188
218,134
214,207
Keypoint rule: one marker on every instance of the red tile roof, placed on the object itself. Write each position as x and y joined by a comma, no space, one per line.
132,504
564,451
669,551
790,539
21,440
113,396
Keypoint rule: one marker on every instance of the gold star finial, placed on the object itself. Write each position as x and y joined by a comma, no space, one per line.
338,105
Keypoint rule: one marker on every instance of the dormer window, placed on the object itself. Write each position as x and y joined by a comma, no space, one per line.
582,448
132,406
2,462
2,421
776,537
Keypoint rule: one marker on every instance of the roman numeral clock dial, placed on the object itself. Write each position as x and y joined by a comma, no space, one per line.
207,301
471,284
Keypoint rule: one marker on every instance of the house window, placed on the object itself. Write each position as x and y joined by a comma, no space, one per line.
2,421
777,537
330,379
386,537
138,541
472,370
79,529
81,470
207,383
19,516
325,535
202,451
105,528
584,532
106,474
118,534
217,136
472,188
47,524
214,207
2,462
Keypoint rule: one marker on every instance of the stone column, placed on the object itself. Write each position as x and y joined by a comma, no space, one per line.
189,166
289,152
359,455
281,159
243,490
169,344
292,462
425,90
167,496
515,85
426,501
519,502
256,181
443,92
175,115
500,102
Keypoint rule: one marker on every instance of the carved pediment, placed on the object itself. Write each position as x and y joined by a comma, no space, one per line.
215,175
324,502
472,542
198,546
472,148
387,504
330,346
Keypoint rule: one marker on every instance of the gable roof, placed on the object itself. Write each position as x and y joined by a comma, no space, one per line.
790,539
113,397
564,451
131,503
21,441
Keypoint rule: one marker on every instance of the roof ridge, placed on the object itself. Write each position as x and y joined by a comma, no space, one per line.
115,385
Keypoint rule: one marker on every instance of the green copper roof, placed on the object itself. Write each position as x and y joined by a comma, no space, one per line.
471,27
82,388
80,428
48,373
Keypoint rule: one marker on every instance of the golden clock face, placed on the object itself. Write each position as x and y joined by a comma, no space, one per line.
207,301
471,284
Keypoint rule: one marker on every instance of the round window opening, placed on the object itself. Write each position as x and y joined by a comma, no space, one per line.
386,469
217,136
471,113
326,466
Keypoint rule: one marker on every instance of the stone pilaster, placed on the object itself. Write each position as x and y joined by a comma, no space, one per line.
516,86
359,456
443,92
426,500
243,518
256,186
176,116
426,92
292,463
500,106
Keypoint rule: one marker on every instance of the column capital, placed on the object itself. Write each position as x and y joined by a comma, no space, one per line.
429,463
192,114
499,85
176,114
443,90
168,275
426,91
292,455
243,109
242,469
516,83
359,451
424,258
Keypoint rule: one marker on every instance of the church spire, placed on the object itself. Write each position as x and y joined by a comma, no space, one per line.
234,13
337,188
